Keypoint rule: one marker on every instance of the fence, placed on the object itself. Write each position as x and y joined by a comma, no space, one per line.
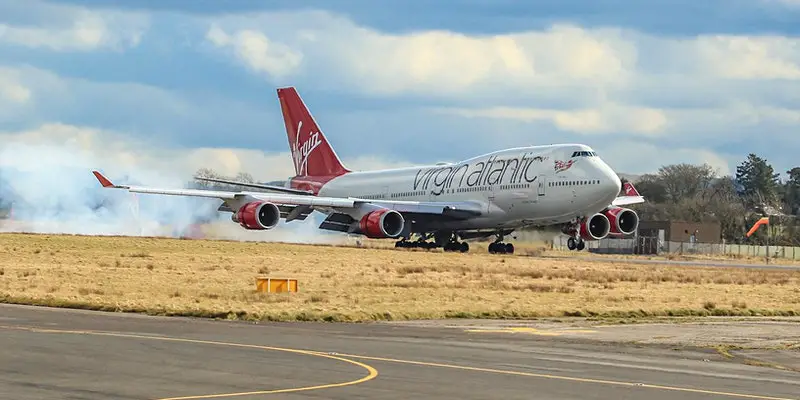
647,245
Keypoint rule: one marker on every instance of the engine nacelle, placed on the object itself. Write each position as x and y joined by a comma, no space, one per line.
623,220
383,223
595,227
257,215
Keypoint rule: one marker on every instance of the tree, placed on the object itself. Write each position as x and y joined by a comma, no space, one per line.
758,181
725,206
792,191
682,181
205,173
651,187
244,177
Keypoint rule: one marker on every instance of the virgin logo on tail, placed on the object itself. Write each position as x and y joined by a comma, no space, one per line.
301,151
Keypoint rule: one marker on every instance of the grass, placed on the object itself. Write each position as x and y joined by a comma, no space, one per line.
217,279
541,248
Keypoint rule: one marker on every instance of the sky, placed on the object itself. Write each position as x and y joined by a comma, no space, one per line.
173,86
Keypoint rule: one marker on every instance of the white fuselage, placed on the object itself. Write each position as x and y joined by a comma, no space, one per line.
537,185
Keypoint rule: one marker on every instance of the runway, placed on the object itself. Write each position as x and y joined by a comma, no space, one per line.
708,263
68,354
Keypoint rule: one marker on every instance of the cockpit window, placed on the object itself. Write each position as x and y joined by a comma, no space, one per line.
584,154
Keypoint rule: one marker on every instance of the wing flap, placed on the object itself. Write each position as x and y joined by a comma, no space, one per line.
455,210
257,186
337,222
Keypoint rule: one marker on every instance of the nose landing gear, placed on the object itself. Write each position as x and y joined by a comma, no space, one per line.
575,241
576,244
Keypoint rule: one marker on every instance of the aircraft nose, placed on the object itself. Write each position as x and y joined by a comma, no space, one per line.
613,182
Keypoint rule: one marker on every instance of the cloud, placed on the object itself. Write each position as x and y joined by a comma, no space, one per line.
634,157
430,62
11,90
584,80
608,120
257,51
66,28
560,57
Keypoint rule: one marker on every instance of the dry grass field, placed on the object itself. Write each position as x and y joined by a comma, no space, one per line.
217,279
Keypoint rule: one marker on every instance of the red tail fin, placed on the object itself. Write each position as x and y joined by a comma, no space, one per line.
630,190
313,156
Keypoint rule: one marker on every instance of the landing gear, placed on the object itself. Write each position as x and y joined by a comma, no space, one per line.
456,246
576,243
498,247
447,241
416,244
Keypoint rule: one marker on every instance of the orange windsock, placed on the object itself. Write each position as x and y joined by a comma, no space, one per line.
761,221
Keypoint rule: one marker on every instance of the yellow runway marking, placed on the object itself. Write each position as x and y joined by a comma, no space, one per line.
566,378
373,373
531,331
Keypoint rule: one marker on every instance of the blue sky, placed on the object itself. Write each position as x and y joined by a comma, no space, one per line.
176,85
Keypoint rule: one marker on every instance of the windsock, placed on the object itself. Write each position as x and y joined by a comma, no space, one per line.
761,221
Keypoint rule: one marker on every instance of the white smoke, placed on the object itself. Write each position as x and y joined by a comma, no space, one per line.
53,190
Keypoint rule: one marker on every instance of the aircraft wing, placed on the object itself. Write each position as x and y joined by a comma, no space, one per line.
305,204
257,186
631,196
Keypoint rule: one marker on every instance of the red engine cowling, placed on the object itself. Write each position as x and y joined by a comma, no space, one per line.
623,220
595,227
383,223
257,215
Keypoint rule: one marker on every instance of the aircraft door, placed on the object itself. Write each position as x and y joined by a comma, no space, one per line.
490,197
542,185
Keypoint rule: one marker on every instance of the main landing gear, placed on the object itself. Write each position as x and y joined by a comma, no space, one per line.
448,243
498,247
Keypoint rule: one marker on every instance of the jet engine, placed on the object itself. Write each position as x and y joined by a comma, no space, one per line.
257,215
623,220
382,223
595,227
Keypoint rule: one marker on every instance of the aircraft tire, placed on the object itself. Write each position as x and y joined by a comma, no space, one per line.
497,248
571,243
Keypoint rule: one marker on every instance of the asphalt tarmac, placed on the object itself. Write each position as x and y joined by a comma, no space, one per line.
68,354
774,264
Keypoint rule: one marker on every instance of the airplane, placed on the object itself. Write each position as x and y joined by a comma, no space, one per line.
494,194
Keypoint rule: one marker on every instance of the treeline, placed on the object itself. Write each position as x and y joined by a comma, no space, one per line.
695,193
243,177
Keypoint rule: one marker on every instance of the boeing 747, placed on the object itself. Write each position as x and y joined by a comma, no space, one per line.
494,194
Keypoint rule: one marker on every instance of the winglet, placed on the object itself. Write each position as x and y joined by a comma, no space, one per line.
103,180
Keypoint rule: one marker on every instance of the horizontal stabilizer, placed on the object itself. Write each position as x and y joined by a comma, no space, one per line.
631,196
